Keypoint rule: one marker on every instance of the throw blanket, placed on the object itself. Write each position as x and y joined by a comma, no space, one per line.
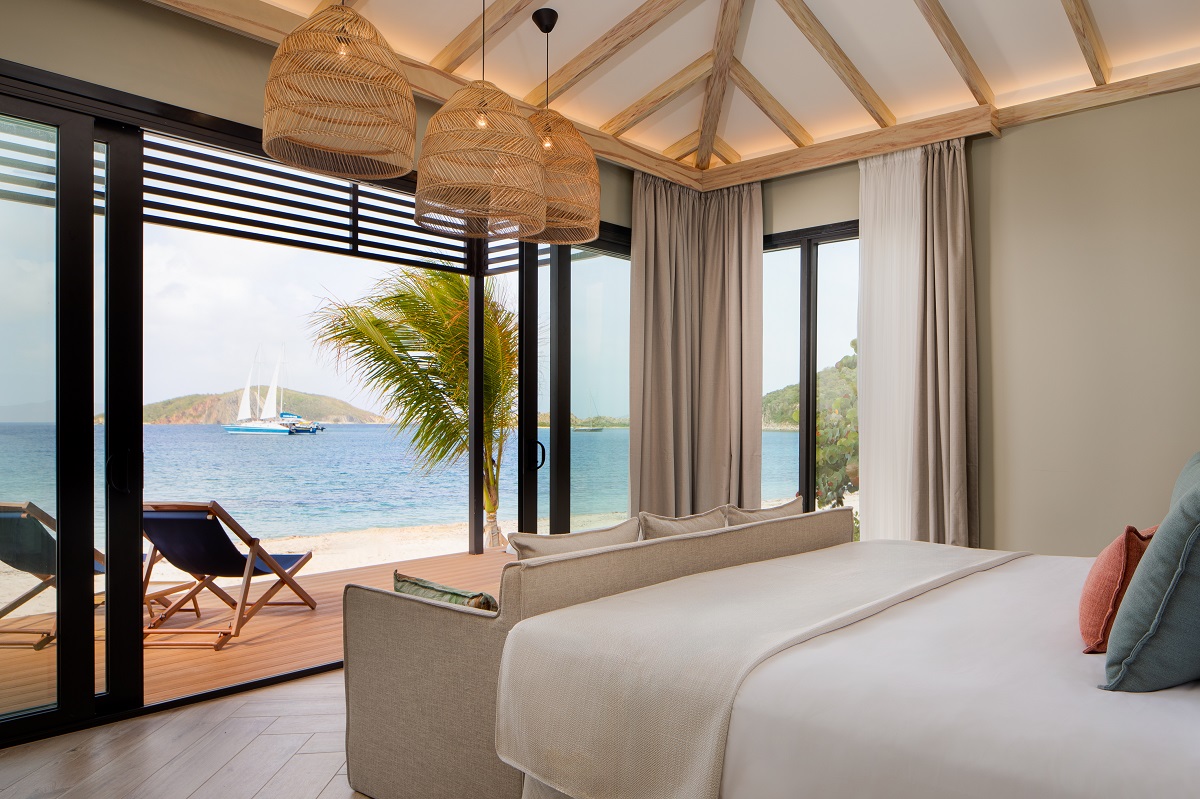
630,695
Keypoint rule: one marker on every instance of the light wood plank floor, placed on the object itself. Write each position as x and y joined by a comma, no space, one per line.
282,742
276,641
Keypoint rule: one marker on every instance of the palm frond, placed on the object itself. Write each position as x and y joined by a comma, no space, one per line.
407,342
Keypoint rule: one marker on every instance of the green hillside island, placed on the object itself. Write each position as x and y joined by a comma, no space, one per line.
837,425
222,409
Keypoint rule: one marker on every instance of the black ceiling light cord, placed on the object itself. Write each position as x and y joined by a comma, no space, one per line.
545,19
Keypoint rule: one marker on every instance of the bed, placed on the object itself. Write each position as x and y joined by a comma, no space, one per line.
903,670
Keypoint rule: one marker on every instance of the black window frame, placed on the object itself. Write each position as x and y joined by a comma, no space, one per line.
808,241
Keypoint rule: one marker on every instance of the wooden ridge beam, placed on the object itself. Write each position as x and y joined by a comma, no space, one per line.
267,23
960,56
804,19
691,142
1171,80
1094,52
640,20
470,39
969,122
767,103
729,22
660,96
684,147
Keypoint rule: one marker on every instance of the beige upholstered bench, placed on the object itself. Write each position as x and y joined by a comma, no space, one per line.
421,675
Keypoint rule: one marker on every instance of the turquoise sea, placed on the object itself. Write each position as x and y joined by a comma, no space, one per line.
348,477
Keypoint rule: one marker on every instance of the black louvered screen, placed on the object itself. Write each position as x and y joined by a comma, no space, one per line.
29,166
204,188
504,255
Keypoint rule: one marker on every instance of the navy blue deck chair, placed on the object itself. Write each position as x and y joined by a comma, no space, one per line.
190,536
26,544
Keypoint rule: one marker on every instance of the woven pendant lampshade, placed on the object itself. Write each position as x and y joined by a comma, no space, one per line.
572,181
481,173
338,101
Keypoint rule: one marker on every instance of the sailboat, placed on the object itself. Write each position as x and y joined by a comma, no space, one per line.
268,420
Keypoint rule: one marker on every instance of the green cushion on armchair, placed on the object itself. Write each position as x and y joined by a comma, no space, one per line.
443,593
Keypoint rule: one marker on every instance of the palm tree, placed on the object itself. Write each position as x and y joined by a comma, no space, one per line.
407,342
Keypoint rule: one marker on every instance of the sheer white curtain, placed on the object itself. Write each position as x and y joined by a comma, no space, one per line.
889,321
918,402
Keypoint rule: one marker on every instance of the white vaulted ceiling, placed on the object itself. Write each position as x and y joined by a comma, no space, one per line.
1025,50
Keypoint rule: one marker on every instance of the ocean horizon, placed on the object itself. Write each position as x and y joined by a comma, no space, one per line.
348,477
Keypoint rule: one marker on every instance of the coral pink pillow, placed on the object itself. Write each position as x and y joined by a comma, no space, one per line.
1105,586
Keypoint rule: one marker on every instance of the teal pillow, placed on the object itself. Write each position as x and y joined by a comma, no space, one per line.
403,584
1155,639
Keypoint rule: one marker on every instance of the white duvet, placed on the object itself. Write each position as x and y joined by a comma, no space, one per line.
976,689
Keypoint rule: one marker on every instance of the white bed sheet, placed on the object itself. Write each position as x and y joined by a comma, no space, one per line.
978,689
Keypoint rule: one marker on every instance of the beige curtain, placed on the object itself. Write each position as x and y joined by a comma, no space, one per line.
945,464
696,348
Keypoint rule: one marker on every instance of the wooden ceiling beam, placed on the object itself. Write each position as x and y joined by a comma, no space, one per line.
1094,52
470,38
811,27
969,122
660,96
722,150
767,103
268,23
729,22
688,145
684,147
1171,80
640,20
960,56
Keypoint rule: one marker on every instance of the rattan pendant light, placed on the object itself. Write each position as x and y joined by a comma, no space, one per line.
338,101
481,174
572,177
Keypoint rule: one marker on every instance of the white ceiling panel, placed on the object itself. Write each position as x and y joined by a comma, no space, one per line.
747,129
665,49
516,62
1025,48
1143,37
896,51
785,63
664,129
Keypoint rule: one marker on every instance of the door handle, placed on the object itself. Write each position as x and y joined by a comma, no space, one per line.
542,453
109,473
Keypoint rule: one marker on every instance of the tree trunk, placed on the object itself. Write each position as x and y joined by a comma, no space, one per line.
492,529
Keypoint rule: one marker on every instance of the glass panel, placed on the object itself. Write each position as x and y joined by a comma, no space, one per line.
781,376
28,396
500,395
543,491
599,389
100,329
837,375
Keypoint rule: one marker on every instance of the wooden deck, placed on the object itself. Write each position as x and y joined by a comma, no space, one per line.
276,641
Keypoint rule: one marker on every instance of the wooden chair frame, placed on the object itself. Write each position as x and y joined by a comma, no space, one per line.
243,611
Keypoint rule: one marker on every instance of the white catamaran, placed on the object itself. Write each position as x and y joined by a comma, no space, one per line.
267,421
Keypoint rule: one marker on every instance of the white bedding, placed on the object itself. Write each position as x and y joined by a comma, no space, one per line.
976,689
631,695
